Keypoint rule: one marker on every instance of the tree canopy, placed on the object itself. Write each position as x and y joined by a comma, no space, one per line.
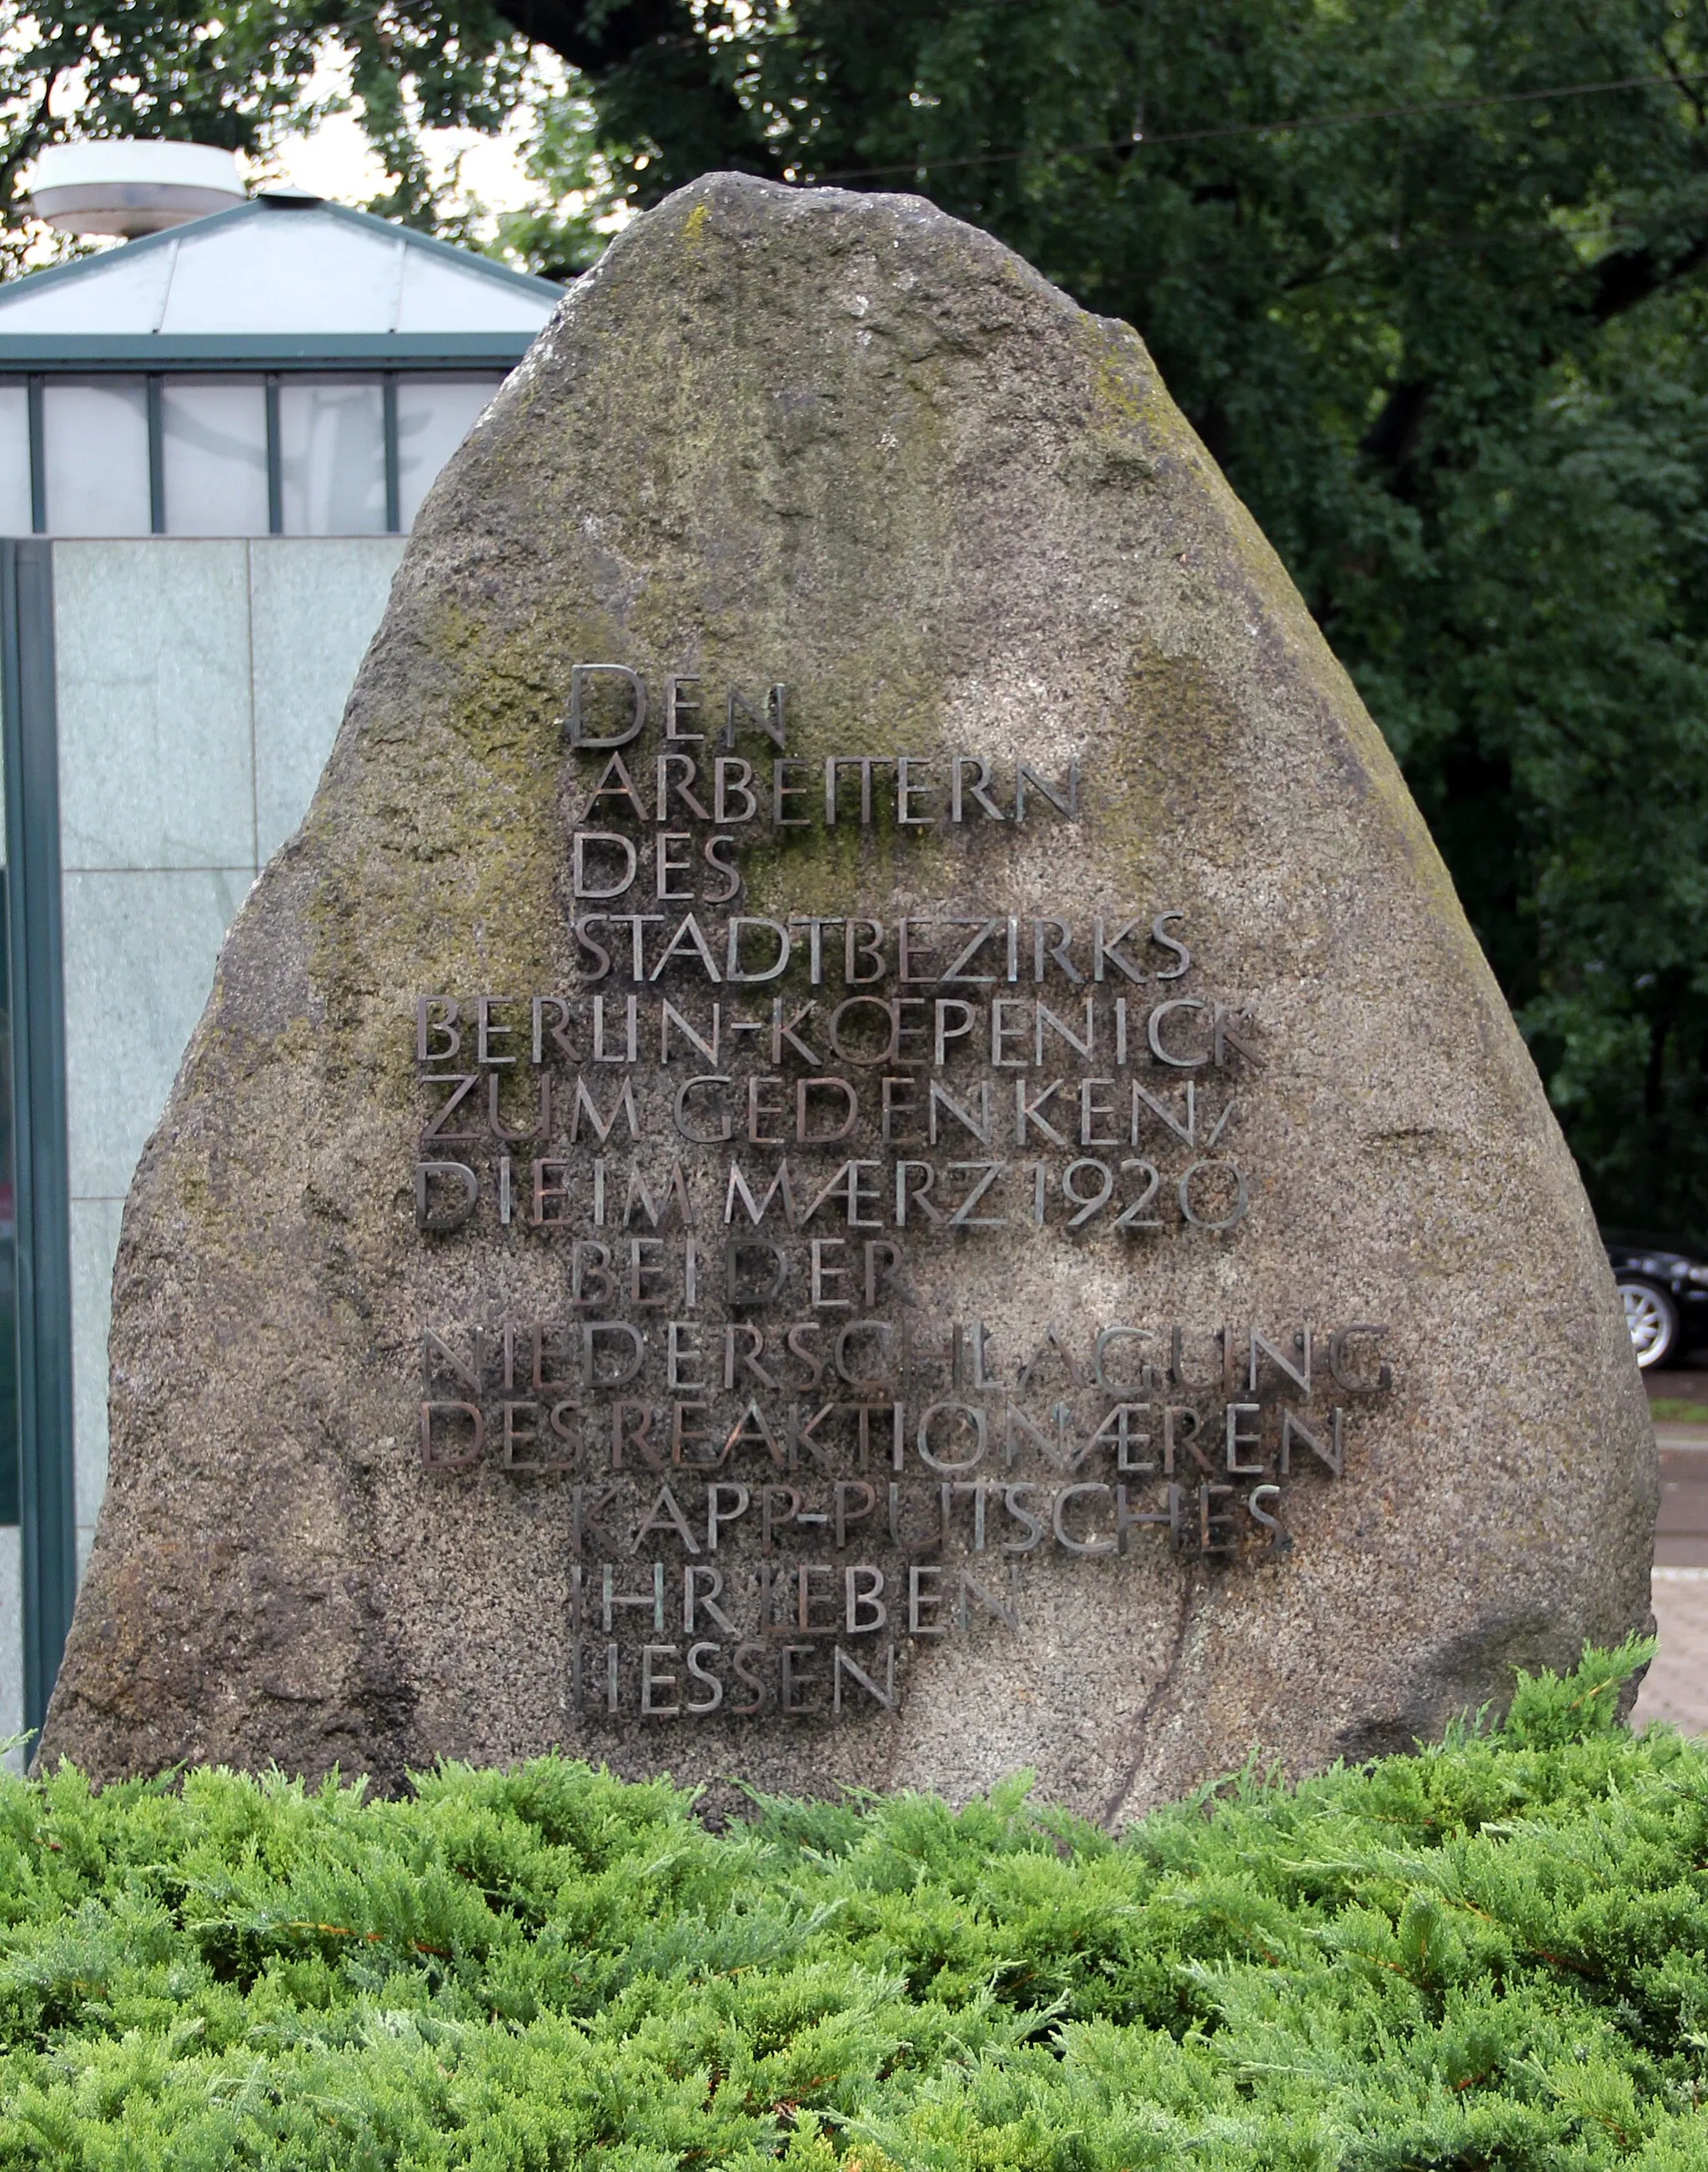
1428,281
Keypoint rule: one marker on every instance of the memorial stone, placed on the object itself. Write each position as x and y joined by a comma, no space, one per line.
861,1141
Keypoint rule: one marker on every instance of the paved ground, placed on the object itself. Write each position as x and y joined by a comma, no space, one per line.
1676,1685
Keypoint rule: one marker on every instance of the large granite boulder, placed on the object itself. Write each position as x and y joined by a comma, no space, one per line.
860,1141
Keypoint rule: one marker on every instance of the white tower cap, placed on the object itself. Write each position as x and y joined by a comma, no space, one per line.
128,187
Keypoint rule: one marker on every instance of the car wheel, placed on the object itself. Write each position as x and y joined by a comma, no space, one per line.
1653,1321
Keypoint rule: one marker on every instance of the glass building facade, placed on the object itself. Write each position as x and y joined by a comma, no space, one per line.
212,443
166,454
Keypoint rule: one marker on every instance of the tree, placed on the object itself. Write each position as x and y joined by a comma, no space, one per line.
240,78
1451,354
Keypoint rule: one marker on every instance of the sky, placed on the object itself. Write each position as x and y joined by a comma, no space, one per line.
335,160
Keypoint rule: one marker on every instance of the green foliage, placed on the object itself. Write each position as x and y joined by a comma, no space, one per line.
564,231
1453,357
239,77
1493,1954
1452,354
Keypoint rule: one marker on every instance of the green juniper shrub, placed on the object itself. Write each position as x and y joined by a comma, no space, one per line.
1488,1956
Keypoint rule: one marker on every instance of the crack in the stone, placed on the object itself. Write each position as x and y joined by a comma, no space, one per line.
1123,1788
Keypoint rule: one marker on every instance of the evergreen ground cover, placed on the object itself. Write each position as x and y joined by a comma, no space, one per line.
1491,1953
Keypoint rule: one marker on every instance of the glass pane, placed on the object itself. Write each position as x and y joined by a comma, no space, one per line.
9,1255
214,448
15,460
434,415
332,457
95,435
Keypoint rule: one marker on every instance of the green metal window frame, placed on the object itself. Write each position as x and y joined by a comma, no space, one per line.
41,1175
86,354
322,364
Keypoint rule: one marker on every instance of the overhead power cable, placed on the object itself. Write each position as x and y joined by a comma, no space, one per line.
1139,143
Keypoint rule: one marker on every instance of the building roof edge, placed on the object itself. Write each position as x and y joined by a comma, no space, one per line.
469,259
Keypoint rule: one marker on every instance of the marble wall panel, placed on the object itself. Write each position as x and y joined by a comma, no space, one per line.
95,1242
156,738
201,684
139,948
315,606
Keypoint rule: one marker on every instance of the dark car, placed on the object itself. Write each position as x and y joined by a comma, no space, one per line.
1663,1284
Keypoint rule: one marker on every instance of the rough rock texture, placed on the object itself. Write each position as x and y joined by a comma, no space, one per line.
845,443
